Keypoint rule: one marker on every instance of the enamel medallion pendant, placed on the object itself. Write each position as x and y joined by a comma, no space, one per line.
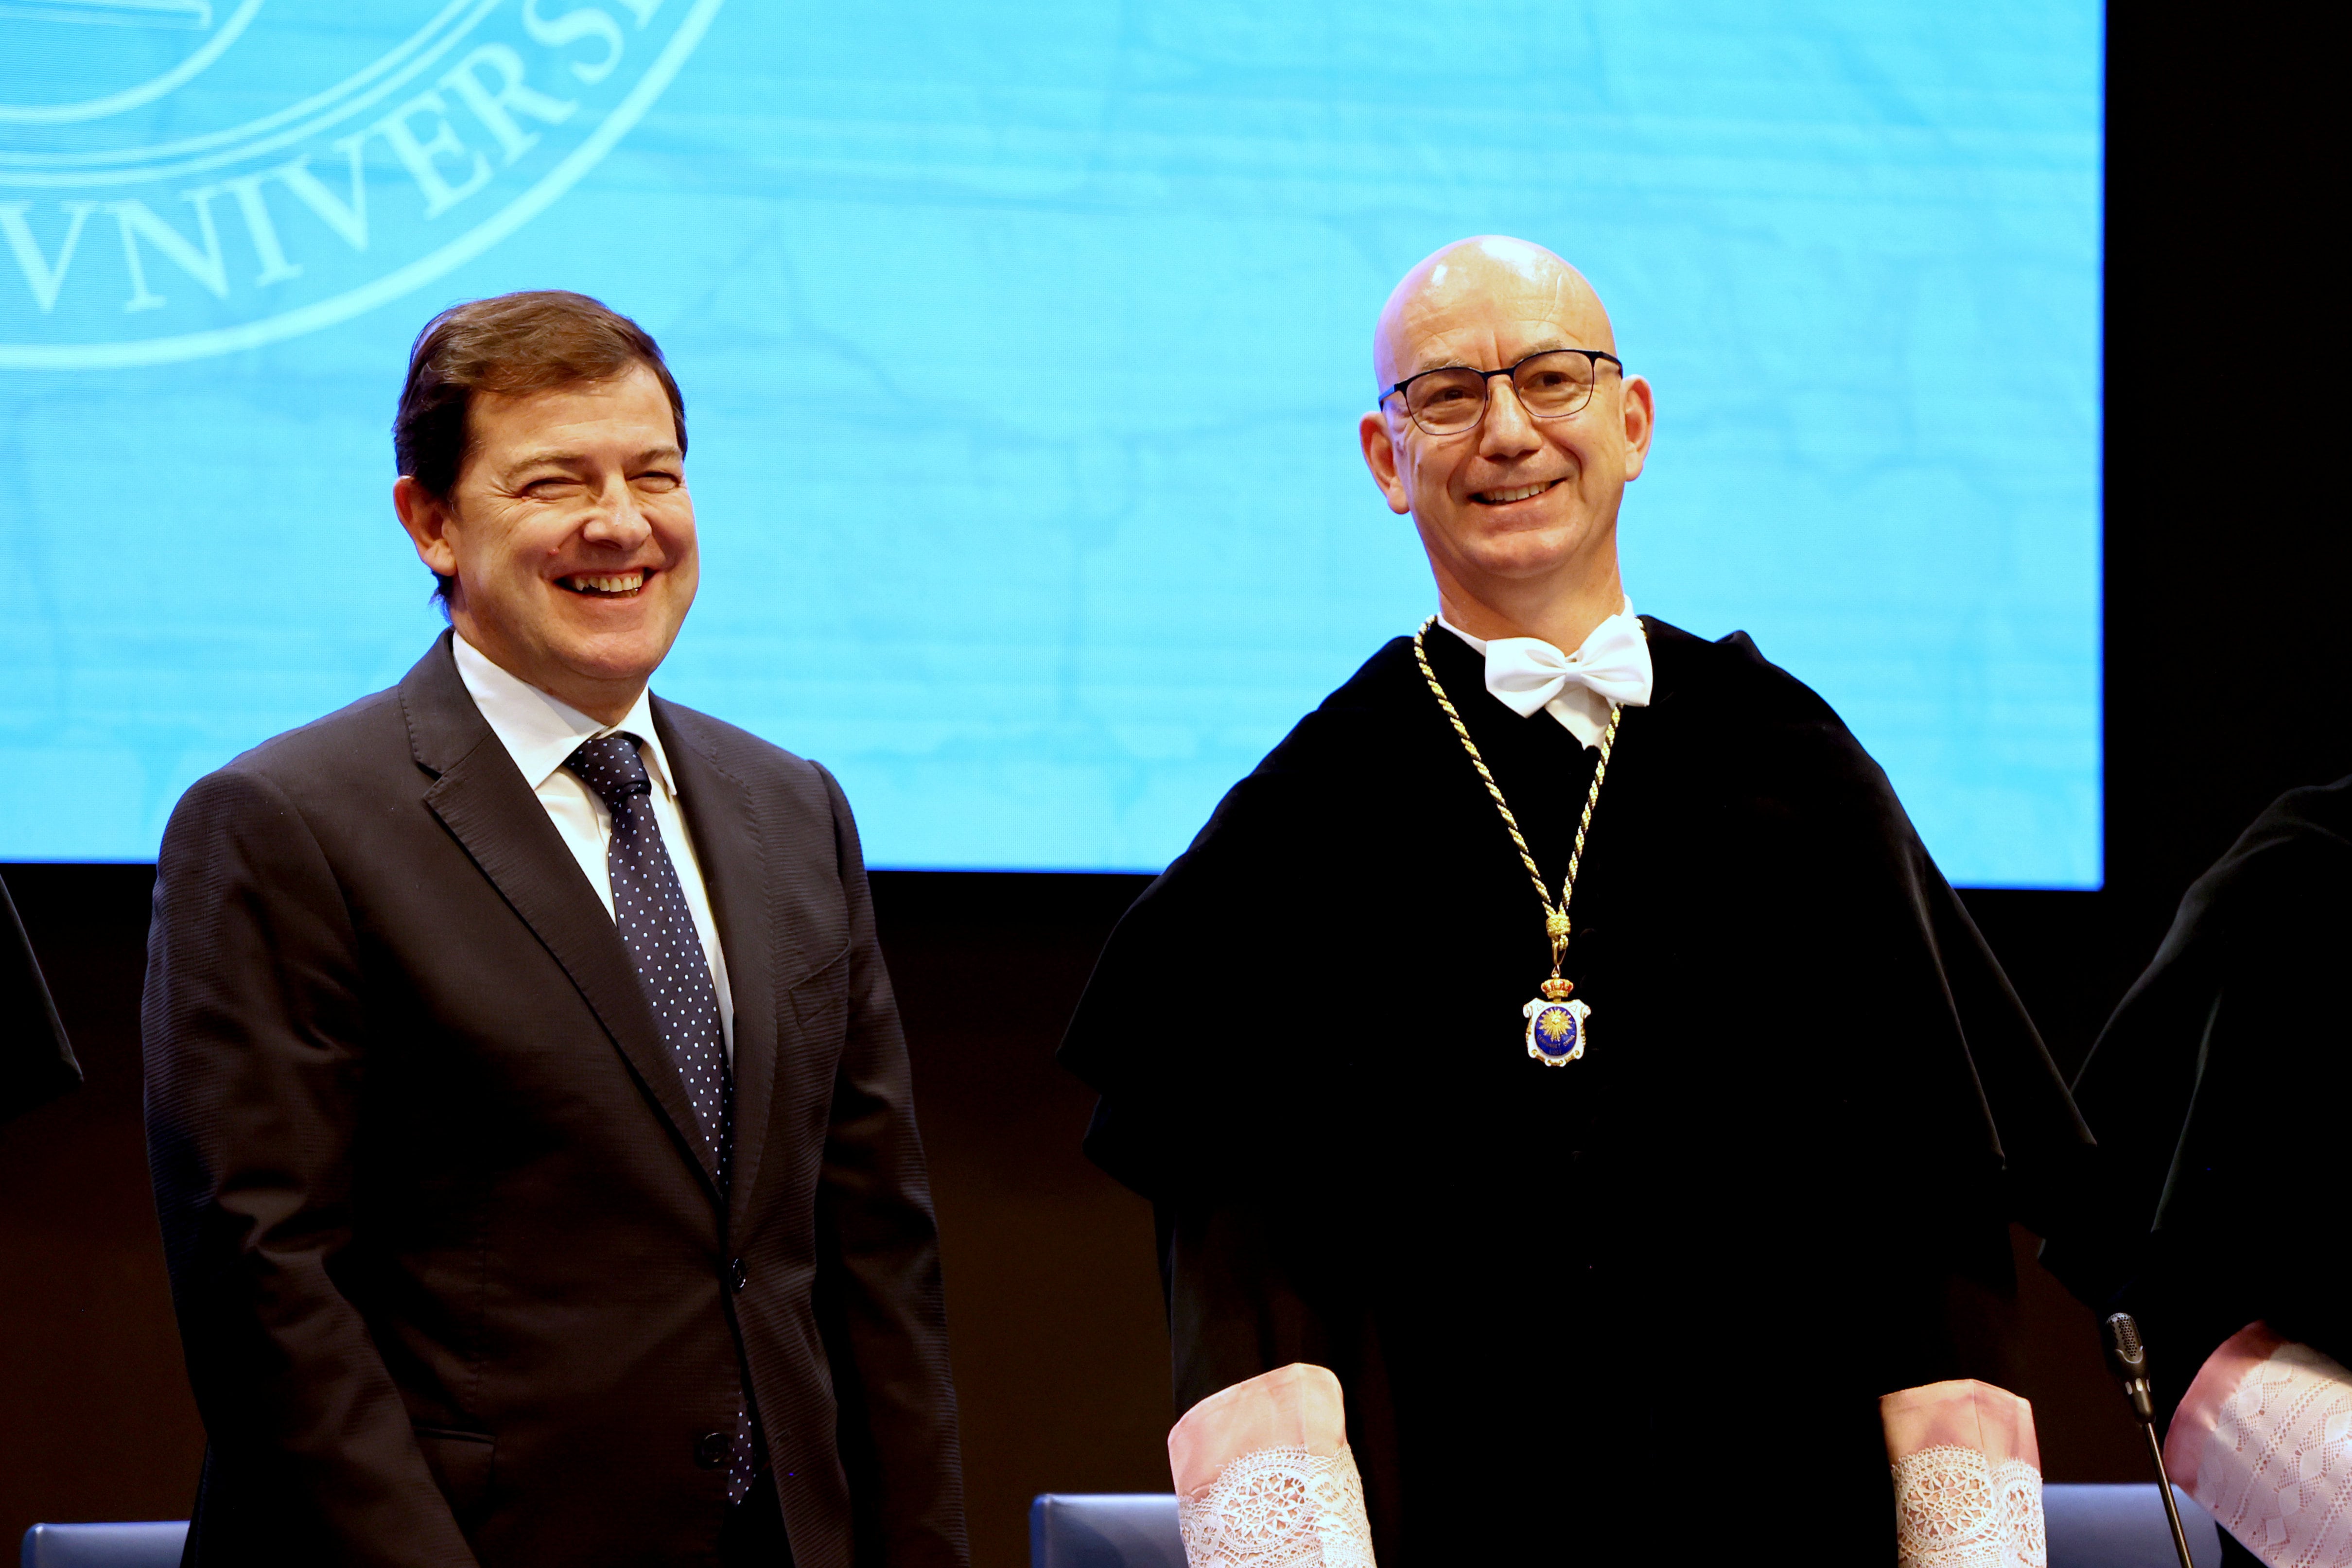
1555,1024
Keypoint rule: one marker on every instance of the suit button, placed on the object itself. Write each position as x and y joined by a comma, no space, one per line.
737,1275
712,1449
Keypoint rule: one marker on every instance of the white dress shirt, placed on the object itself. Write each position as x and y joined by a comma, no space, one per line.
541,733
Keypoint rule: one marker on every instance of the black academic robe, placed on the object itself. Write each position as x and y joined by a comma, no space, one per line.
1642,1304
2218,1091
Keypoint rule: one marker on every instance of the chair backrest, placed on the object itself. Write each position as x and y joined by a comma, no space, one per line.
105,1545
1105,1530
2090,1526
2093,1526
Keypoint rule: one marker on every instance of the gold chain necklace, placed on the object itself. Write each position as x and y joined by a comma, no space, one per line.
1556,1026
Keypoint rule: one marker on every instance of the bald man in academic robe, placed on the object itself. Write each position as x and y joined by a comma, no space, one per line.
1616,1207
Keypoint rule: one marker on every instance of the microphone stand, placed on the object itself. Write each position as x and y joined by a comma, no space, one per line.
2128,1359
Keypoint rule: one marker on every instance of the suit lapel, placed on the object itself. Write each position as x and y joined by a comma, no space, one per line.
720,814
481,796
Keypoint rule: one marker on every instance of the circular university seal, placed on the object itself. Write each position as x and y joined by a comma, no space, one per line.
181,178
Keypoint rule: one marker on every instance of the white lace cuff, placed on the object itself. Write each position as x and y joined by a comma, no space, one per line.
1954,1508
1264,1477
1967,1477
1279,1508
2263,1440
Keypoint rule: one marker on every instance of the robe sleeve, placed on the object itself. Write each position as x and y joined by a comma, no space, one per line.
1934,1116
2210,1090
1225,953
1961,1080
2022,1107
1226,949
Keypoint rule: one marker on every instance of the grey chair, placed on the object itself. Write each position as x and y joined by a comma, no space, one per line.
2093,1526
104,1545
1105,1530
2090,1527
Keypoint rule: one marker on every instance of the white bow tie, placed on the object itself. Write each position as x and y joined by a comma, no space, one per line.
1612,667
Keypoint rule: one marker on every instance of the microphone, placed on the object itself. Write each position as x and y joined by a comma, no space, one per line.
2128,1359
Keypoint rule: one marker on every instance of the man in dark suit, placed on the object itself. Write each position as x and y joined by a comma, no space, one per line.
527,1102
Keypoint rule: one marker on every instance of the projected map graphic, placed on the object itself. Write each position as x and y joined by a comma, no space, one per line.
958,297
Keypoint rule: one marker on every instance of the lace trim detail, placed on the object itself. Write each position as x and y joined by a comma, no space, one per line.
1279,1508
1955,1510
2277,1470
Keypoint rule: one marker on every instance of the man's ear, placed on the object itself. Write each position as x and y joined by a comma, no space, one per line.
1380,456
1641,420
426,516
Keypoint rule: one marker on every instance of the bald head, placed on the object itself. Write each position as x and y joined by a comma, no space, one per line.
1518,510
1471,285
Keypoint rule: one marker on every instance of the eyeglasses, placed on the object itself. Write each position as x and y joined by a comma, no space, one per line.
1553,385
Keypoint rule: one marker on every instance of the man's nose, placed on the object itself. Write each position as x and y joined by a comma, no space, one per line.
617,518
1507,431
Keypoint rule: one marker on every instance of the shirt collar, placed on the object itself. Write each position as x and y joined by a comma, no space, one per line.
1625,607
540,732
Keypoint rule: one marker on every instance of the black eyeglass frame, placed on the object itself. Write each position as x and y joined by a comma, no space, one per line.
1487,377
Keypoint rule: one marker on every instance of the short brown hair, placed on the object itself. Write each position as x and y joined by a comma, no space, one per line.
512,344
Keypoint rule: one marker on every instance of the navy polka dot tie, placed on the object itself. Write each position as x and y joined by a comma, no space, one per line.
658,929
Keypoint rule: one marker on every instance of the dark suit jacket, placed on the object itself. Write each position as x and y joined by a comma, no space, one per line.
454,1281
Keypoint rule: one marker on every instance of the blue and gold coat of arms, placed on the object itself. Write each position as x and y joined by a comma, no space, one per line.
1555,1030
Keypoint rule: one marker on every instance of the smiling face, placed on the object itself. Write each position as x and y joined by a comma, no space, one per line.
1518,515
570,535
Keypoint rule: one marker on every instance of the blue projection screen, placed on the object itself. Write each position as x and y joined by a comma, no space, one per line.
955,294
